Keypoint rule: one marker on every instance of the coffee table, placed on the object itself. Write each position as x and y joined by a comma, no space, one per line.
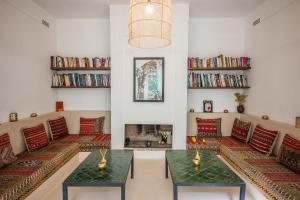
87,174
212,172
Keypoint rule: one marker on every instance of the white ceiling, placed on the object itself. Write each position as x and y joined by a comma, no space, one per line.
100,8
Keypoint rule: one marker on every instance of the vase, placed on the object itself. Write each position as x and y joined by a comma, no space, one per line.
241,109
197,159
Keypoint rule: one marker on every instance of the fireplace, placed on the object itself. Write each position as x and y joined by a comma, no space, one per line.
148,136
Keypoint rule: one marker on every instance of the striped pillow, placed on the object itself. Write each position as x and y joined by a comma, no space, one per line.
91,125
263,140
240,130
35,137
58,128
7,155
209,127
289,154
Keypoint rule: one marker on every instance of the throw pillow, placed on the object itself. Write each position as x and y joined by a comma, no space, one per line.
289,154
208,128
58,128
241,130
35,137
7,155
263,140
91,125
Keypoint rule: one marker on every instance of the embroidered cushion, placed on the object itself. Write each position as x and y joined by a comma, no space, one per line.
241,130
209,127
263,140
91,125
58,128
289,154
7,155
35,137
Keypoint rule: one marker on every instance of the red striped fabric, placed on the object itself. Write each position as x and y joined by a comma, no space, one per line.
209,127
263,140
240,130
289,154
91,125
35,137
58,128
7,155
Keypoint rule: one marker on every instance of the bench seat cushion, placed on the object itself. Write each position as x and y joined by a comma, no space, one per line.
212,144
275,180
23,176
88,142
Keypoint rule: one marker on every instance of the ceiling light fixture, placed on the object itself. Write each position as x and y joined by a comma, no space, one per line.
150,23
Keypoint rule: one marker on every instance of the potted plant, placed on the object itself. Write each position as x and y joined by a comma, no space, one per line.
241,99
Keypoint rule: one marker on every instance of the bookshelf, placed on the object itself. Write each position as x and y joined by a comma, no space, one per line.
220,69
76,87
205,88
80,68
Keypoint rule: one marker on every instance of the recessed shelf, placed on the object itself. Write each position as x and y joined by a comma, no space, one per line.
80,68
220,69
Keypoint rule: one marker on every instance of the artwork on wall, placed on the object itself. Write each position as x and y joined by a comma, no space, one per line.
148,80
207,106
13,117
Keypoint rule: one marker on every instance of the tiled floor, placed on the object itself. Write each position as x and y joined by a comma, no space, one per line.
150,184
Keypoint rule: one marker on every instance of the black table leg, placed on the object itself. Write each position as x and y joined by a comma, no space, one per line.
132,167
65,192
242,192
175,192
123,192
166,165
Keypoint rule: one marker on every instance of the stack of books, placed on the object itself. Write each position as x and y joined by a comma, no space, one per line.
218,62
209,80
75,62
81,80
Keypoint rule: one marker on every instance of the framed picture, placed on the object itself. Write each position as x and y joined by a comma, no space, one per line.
13,117
148,80
207,106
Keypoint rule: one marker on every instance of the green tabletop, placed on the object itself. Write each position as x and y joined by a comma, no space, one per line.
116,172
212,170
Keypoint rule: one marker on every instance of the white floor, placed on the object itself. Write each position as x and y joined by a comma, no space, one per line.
150,184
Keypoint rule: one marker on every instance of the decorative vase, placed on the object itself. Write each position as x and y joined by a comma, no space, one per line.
103,163
197,159
241,108
148,144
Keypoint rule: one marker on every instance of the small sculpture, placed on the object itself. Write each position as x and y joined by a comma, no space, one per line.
103,162
241,99
197,159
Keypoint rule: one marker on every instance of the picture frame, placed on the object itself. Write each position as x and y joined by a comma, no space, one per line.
148,79
13,117
207,106
297,122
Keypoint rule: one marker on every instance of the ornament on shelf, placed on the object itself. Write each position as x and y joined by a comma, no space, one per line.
265,117
59,106
192,110
13,117
226,111
33,115
241,99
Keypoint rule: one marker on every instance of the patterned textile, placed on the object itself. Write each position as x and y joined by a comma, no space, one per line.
289,154
241,130
7,155
273,179
91,125
209,127
24,175
212,144
58,128
35,137
88,142
263,140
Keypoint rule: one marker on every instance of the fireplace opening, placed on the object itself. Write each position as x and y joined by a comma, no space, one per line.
148,136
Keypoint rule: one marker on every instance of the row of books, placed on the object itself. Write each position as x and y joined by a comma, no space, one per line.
81,80
218,62
209,80
75,62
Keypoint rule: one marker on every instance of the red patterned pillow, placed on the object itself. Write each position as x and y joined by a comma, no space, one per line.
263,140
241,130
58,128
91,125
7,155
35,137
289,154
209,127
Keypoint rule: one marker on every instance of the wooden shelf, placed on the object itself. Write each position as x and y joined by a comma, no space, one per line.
69,87
80,68
220,69
208,88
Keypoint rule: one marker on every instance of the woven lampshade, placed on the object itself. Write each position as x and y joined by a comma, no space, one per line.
150,27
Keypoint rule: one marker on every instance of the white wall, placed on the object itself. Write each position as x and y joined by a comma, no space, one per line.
81,38
173,110
274,45
25,46
209,37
